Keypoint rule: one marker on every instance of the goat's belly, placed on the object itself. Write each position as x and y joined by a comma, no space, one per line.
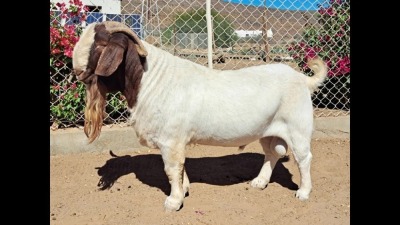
230,132
228,142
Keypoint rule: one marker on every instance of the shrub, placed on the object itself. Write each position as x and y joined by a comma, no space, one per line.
65,96
67,99
331,42
195,22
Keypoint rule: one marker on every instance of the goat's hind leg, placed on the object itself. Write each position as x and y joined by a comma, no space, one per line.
274,148
303,156
174,159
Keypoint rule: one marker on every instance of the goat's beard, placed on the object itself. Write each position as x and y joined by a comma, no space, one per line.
94,111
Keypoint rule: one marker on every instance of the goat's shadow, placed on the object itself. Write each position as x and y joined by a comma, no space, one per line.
223,170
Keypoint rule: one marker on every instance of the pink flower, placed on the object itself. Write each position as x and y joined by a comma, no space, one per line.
56,87
54,33
55,51
60,5
68,52
76,2
83,18
330,11
310,53
333,72
64,42
76,95
327,38
344,65
59,63
70,29
73,39
73,86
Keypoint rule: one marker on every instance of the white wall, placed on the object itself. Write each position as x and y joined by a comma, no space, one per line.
248,33
252,33
108,6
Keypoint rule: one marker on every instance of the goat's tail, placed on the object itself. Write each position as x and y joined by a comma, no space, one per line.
320,72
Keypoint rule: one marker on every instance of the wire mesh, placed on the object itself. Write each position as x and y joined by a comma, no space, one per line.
245,33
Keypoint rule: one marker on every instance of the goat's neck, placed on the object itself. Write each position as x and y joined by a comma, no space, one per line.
164,75
165,71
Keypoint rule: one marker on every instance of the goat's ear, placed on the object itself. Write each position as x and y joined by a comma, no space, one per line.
112,55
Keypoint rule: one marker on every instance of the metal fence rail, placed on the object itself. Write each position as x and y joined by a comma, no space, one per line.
245,33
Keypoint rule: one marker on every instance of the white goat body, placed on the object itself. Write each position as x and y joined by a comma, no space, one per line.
179,102
183,102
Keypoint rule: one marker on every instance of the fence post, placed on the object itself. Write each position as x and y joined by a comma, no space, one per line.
264,32
174,34
209,33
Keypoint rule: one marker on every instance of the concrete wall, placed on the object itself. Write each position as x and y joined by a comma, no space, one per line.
73,140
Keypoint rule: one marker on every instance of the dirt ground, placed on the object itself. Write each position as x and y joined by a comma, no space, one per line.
96,188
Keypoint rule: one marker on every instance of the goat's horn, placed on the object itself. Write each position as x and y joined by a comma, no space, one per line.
113,27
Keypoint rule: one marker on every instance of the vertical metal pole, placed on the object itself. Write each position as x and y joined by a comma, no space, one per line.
174,34
143,21
213,38
209,34
148,10
265,28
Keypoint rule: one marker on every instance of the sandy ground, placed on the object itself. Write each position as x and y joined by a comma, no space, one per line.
96,188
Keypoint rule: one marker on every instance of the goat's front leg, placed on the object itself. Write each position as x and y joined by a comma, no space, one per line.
186,183
174,159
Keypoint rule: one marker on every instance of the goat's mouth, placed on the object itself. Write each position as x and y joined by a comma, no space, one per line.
78,72
82,75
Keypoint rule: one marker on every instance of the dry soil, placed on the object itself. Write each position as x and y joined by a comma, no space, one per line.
96,188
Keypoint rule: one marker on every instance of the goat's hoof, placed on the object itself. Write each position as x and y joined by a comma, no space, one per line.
186,190
172,205
259,183
302,194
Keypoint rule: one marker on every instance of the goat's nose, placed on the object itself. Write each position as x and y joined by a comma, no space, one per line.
78,72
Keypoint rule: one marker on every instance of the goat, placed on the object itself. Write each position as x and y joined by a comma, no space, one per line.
175,102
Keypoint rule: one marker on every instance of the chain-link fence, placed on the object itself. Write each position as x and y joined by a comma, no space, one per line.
245,33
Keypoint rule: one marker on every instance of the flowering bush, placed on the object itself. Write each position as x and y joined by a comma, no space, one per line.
331,42
68,102
64,30
67,99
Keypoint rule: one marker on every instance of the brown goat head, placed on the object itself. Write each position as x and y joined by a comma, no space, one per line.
108,58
